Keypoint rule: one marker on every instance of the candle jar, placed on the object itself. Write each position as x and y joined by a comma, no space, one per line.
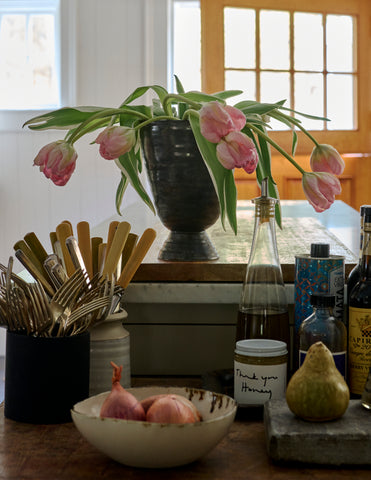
260,371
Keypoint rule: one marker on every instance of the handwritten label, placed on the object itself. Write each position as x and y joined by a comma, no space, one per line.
256,384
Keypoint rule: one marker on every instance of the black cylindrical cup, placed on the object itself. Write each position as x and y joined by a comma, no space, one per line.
45,376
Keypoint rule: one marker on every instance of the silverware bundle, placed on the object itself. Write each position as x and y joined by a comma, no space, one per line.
76,286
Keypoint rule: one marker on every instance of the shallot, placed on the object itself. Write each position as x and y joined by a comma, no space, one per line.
121,403
170,408
163,408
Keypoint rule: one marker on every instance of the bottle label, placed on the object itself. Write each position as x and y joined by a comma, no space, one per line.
256,384
340,359
359,346
337,289
324,275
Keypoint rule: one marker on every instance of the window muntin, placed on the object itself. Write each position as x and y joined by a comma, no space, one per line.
315,72
348,112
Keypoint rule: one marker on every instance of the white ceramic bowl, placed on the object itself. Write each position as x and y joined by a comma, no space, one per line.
156,445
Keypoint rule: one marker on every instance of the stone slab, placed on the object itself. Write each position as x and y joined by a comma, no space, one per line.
345,441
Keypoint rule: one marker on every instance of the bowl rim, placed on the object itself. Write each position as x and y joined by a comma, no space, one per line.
145,422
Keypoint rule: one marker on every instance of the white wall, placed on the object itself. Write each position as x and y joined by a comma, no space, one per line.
120,44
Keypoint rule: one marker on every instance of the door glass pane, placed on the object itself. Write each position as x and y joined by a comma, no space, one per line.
239,38
274,40
308,42
340,102
245,81
340,45
275,87
308,94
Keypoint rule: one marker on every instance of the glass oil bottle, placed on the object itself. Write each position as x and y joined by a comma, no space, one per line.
263,309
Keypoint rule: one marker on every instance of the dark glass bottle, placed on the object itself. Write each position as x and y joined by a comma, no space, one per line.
322,326
263,309
359,327
354,275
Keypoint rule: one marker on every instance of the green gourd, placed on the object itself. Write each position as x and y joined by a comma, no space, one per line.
317,391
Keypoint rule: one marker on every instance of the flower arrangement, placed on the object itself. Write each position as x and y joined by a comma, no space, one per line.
227,136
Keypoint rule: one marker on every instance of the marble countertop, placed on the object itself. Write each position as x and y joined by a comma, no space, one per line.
338,226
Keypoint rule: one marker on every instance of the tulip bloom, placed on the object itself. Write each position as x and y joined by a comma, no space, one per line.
217,120
115,141
237,150
325,158
320,189
57,161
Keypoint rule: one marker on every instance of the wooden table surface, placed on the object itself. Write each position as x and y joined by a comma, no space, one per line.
56,452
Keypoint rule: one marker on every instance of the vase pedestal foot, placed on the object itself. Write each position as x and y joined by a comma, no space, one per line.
188,247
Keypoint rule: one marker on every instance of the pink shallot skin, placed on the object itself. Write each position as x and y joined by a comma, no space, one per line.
170,408
120,403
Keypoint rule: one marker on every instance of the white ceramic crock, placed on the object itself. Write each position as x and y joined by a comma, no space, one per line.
109,341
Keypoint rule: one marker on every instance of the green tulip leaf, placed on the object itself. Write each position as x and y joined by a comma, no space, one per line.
63,119
219,175
121,189
231,199
227,94
306,115
179,85
250,106
140,91
128,165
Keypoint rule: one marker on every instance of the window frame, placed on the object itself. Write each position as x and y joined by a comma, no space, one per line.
212,64
12,119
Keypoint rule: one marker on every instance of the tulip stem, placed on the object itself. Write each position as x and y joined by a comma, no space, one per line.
154,119
295,122
86,126
179,98
276,146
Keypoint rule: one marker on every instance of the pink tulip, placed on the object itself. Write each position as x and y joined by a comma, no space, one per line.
237,150
217,120
115,141
320,189
57,161
325,158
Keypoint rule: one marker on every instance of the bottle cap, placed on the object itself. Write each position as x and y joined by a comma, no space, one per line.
322,300
367,216
320,250
365,210
261,347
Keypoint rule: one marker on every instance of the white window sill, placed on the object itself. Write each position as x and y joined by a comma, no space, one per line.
13,120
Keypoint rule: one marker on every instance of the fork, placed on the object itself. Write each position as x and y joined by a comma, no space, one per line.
66,296
39,301
84,310
21,313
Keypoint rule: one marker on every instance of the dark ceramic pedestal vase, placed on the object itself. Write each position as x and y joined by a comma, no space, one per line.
184,195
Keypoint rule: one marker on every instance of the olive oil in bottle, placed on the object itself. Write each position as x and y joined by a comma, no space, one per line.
263,310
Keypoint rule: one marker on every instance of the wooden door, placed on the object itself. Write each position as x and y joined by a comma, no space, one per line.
355,180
